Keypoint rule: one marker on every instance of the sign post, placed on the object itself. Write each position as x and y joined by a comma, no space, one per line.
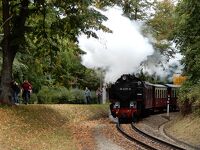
168,99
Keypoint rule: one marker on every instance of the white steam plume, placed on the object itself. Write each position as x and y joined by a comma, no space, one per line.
119,52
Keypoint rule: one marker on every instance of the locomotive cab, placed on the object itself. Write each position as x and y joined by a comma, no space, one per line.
124,96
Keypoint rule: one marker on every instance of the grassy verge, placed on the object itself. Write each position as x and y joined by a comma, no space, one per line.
44,127
186,129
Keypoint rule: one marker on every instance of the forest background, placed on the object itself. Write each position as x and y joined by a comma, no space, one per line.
39,43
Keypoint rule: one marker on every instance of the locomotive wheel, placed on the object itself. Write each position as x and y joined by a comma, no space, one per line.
113,114
134,118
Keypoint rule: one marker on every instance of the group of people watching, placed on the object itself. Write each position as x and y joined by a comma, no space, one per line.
87,94
26,89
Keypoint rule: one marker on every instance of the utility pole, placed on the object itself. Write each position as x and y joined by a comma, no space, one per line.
104,94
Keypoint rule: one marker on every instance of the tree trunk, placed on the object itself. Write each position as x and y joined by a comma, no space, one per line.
6,71
10,49
6,77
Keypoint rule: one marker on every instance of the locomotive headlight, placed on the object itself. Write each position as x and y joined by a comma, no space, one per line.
139,83
124,77
132,104
117,105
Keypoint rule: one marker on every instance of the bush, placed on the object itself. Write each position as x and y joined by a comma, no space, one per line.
62,95
33,98
189,96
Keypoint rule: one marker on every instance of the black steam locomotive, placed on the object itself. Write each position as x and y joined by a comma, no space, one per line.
132,98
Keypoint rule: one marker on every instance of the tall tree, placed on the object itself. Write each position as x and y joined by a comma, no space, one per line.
188,37
188,41
133,9
136,9
162,25
22,18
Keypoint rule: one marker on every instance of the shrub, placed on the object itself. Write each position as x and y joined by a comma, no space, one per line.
62,95
189,96
33,98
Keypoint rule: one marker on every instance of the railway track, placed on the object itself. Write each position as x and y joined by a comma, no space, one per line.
144,140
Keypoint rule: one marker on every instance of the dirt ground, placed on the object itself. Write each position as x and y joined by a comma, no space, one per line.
84,127
102,134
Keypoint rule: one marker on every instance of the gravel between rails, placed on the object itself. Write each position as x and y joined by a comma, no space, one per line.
104,143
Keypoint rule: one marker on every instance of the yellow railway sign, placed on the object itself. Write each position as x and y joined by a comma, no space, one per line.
178,79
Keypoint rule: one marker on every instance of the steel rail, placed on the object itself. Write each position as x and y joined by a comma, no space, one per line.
156,139
134,139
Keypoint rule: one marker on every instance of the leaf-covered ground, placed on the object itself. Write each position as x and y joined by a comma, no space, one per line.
72,127
55,127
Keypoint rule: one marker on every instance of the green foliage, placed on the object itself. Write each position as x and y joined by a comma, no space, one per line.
187,37
62,95
133,9
53,95
47,31
185,91
33,98
189,97
161,26
136,9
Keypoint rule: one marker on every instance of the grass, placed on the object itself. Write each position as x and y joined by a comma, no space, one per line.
186,129
44,127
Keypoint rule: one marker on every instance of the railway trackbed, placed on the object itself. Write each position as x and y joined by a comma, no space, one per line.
144,140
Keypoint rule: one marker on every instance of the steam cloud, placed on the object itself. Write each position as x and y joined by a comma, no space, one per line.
119,52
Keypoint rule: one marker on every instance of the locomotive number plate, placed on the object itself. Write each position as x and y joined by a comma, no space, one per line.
125,89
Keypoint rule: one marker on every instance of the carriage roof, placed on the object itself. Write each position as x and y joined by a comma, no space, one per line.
173,85
155,85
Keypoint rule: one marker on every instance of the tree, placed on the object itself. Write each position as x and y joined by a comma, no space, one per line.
136,9
160,28
162,25
187,37
133,9
28,18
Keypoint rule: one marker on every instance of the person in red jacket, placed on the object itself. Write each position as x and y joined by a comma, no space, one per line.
26,90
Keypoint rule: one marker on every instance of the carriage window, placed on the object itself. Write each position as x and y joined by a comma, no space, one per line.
164,93
156,93
160,93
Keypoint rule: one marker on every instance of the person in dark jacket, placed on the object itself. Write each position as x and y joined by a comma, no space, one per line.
87,94
99,95
26,90
15,92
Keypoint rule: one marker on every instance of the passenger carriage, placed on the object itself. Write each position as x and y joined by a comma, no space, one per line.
172,94
131,97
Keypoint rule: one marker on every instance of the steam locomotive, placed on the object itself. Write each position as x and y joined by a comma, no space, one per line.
132,98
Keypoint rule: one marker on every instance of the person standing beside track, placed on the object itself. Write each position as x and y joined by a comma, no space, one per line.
99,95
87,94
27,89
15,92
